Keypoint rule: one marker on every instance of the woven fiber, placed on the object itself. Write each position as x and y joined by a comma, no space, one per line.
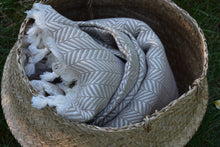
174,125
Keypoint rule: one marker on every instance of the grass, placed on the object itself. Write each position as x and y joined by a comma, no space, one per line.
207,14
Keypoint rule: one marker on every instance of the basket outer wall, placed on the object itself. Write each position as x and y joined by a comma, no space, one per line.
172,126
32,127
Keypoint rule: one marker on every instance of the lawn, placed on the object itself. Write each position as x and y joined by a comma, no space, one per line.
207,14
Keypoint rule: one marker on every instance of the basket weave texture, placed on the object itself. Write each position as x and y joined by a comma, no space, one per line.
174,125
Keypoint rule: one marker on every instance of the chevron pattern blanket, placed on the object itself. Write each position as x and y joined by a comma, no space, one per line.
119,67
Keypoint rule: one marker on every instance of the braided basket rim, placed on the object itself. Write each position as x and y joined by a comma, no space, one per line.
148,119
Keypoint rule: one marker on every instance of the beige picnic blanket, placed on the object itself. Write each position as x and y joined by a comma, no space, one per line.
119,64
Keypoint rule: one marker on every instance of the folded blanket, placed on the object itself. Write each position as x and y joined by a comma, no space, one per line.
119,65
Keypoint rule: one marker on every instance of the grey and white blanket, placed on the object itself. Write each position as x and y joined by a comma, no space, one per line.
119,65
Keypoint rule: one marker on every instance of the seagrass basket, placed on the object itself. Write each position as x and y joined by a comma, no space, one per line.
174,125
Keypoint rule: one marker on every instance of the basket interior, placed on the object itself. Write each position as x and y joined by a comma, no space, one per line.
179,36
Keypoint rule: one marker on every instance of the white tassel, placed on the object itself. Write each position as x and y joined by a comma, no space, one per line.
66,72
61,102
49,76
34,35
40,55
29,69
64,87
39,101
43,86
50,60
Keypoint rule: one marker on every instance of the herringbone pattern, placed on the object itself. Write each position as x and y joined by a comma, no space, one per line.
110,93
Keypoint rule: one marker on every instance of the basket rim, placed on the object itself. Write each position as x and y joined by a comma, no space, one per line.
148,118
179,138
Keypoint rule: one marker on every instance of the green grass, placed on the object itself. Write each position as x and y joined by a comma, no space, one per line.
207,14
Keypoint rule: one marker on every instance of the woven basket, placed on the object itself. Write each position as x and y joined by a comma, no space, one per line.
174,125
